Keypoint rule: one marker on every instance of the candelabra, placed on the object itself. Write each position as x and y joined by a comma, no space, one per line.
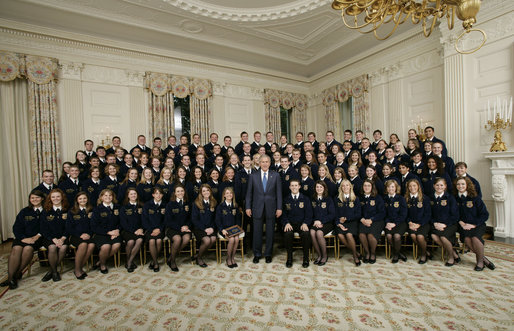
499,119
419,128
107,133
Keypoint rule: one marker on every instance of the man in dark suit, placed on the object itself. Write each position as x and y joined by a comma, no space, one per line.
264,203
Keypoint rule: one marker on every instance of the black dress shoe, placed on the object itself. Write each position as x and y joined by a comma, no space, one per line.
403,257
448,264
477,268
256,259
317,261
47,277
372,261
422,261
13,284
357,263
96,266
365,260
104,271
203,265
235,265
5,283
56,277
457,259
395,259
151,266
321,263
156,268
305,263
133,266
231,266
289,264
268,259
82,276
489,264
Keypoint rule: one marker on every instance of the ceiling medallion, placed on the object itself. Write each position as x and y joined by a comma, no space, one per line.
206,9
191,26
368,16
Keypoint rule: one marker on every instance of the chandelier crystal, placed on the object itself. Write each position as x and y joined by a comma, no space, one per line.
368,16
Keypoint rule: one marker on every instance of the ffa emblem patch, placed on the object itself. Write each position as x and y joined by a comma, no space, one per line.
420,204
110,187
225,212
64,216
90,189
372,202
148,189
351,204
215,190
469,204
151,211
340,204
140,210
431,203
234,212
288,206
90,215
363,203
104,214
314,204
163,210
212,209
419,171
202,211
76,217
323,205
128,212
186,208
116,212
396,204
287,177
50,217
165,190
197,189
175,211
300,205
444,202
243,180
394,169
305,187
70,190
425,179
30,218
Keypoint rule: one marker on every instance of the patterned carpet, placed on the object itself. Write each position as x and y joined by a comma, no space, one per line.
337,296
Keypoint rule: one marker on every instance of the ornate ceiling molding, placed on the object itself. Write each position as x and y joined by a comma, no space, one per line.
243,14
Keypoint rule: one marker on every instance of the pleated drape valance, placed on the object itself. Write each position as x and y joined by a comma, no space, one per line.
37,69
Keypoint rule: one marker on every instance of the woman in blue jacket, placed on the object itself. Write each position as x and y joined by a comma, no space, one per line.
348,215
323,220
203,214
177,219
418,217
396,213
472,217
227,215
372,220
153,224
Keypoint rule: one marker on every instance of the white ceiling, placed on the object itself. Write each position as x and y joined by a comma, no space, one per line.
300,38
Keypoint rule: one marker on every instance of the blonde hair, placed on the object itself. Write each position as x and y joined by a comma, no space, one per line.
395,183
341,193
420,191
324,166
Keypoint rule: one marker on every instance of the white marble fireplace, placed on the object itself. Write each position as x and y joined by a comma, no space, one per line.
502,178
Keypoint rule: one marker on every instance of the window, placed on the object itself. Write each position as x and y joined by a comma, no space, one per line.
346,115
285,122
182,116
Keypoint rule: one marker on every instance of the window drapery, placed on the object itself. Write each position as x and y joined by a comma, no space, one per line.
274,99
162,88
358,89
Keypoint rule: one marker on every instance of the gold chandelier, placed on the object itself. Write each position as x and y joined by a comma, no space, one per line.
369,15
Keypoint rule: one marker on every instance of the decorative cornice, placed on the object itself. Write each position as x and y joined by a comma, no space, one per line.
135,78
237,91
243,14
70,70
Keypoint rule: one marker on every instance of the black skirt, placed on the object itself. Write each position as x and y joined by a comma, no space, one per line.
421,231
448,232
199,234
46,242
327,228
76,241
102,239
35,246
170,233
400,229
148,235
351,227
478,232
130,236
375,229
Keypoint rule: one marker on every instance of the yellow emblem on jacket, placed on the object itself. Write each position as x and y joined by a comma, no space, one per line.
234,211
469,204
444,202
372,202
396,204
323,205
116,212
351,204
300,204
420,204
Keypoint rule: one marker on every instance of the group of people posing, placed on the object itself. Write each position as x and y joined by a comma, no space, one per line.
356,190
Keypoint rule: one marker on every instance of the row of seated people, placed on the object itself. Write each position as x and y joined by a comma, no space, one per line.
48,222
